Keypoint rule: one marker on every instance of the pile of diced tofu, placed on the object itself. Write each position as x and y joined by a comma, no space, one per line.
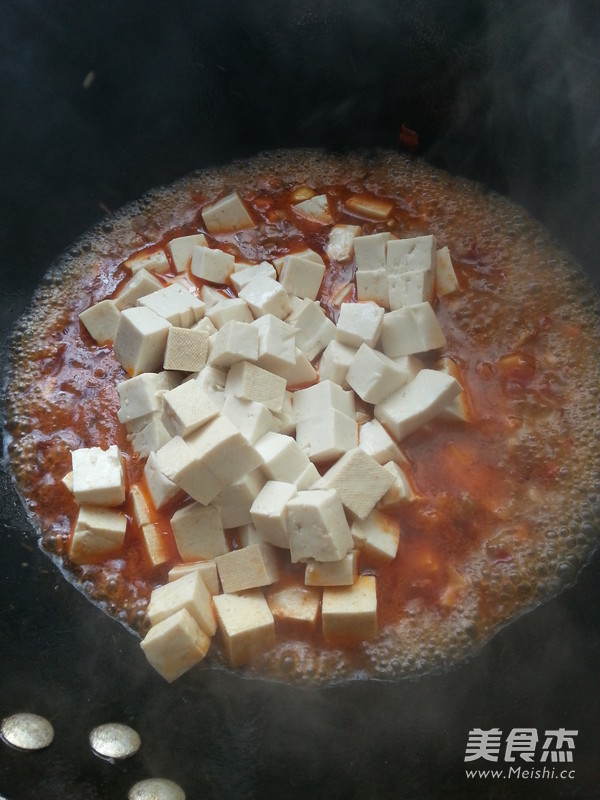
257,414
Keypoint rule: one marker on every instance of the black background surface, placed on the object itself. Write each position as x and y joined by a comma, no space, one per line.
506,93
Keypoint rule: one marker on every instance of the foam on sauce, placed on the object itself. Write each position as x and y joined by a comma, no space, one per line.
508,505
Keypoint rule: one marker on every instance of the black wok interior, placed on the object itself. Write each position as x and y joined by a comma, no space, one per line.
102,101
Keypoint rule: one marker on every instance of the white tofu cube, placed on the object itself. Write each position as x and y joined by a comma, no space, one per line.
314,330
351,611
139,506
372,284
161,489
307,478
186,350
98,476
374,376
142,396
340,244
317,526
211,296
186,408
141,340
370,250
269,512
155,544
247,568
296,604
206,569
175,304
326,435
408,255
189,592
246,625
369,206
98,533
252,419
358,480
302,276
285,418
229,309
198,532
300,374
376,441
247,535
306,253
204,324
180,464
276,343
410,288
335,362
182,247
332,573
175,645
315,399
358,323
412,329
314,209
220,447
459,407
234,501
283,460
240,277
150,438
378,535
250,382
101,320
446,281
141,284
155,261
265,295
214,266
227,214
417,403
400,492
235,341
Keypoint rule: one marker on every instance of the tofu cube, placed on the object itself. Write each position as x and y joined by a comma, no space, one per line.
317,526
246,624
252,419
99,532
446,281
189,592
285,418
314,209
186,408
269,512
326,435
314,330
98,476
155,544
175,645
156,262
400,491
410,288
161,489
186,351
141,284
370,251
204,324
313,400
335,362
181,248
220,448
206,569
301,276
378,535
370,207
459,407
358,480
139,506
376,441
308,253
300,374
374,376
247,568
234,501
417,403
358,323
211,296
142,396
211,381
412,329
372,284
141,340
247,535
150,438
297,604
340,244
265,295
235,341
229,309
307,478
283,459
198,532
67,481
101,320
332,573
351,611
250,382
409,255
240,277
276,343
175,304
180,464
227,214
214,266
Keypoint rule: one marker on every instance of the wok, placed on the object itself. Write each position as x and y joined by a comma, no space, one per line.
102,101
